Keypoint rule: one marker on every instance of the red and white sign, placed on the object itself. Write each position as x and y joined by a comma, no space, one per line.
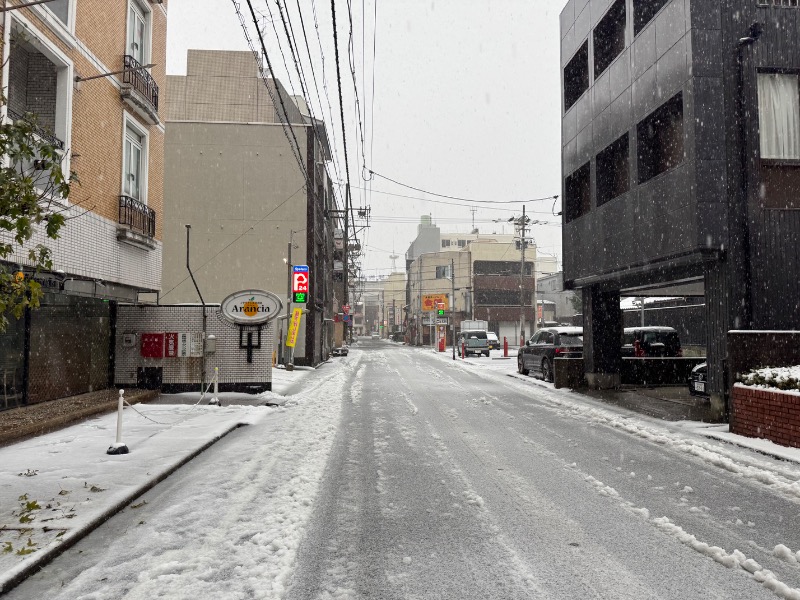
171,345
152,345
300,282
346,309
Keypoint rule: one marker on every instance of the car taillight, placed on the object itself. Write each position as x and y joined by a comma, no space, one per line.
561,350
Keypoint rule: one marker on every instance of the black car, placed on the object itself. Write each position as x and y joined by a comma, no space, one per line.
698,380
547,344
650,341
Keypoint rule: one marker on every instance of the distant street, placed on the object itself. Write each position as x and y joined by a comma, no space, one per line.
444,480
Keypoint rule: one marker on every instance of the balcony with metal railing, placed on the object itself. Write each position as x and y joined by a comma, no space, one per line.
140,90
43,133
137,223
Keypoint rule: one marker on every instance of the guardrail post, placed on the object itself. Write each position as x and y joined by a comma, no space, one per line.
119,447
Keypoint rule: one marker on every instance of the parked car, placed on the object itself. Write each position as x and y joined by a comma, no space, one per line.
340,351
473,342
539,352
698,380
493,340
650,341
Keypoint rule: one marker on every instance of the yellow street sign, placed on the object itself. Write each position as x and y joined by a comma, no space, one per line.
435,301
294,327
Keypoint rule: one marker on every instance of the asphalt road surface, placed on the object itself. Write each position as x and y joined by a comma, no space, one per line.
445,481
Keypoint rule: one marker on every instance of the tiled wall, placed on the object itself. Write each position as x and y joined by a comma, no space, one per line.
229,357
88,247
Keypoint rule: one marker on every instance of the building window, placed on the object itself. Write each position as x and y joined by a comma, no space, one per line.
501,298
644,11
660,139
134,163
138,45
609,37
61,9
783,3
576,76
779,116
779,140
613,172
577,194
518,244
505,268
445,243
443,272
462,243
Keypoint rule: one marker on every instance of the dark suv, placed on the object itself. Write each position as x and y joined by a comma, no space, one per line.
547,344
650,341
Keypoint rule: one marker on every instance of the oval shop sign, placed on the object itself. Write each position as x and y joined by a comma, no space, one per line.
251,307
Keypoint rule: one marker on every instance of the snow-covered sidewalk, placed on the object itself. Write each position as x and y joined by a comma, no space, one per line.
56,488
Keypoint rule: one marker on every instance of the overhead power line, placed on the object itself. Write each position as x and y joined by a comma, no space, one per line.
432,201
416,189
287,129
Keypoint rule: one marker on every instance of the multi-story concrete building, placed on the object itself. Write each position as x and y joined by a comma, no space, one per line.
680,154
247,170
495,286
82,70
394,297
565,304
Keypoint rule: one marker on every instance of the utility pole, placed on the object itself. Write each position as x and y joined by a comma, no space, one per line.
521,229
346,262
453,306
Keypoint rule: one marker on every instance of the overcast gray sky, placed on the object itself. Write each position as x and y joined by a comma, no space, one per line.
466,104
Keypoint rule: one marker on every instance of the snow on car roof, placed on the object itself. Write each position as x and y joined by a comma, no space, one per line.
565,330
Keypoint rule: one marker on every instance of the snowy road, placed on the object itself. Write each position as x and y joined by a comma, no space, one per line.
398,474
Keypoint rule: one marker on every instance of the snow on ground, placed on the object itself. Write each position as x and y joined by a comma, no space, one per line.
55,487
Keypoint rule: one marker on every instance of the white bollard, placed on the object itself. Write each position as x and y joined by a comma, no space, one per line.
215,398
118,447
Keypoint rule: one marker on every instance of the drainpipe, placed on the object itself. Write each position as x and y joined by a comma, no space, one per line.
205,318
5,59
741,214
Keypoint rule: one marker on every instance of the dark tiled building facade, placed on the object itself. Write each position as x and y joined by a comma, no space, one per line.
681,163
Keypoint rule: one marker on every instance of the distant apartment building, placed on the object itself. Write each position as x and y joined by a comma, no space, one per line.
680,160
80,70
394,295
246,168
493,283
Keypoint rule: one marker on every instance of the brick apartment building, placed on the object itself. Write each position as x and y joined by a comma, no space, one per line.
79,67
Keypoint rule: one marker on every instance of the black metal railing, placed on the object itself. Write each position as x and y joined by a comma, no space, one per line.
140,79
40,131
137,216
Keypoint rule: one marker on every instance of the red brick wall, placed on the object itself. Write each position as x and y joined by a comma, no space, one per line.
766,414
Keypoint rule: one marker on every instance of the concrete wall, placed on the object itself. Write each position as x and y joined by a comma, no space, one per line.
239,188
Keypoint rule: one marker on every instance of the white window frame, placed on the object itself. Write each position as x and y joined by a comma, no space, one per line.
142,11
65,31
129,122
65,76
